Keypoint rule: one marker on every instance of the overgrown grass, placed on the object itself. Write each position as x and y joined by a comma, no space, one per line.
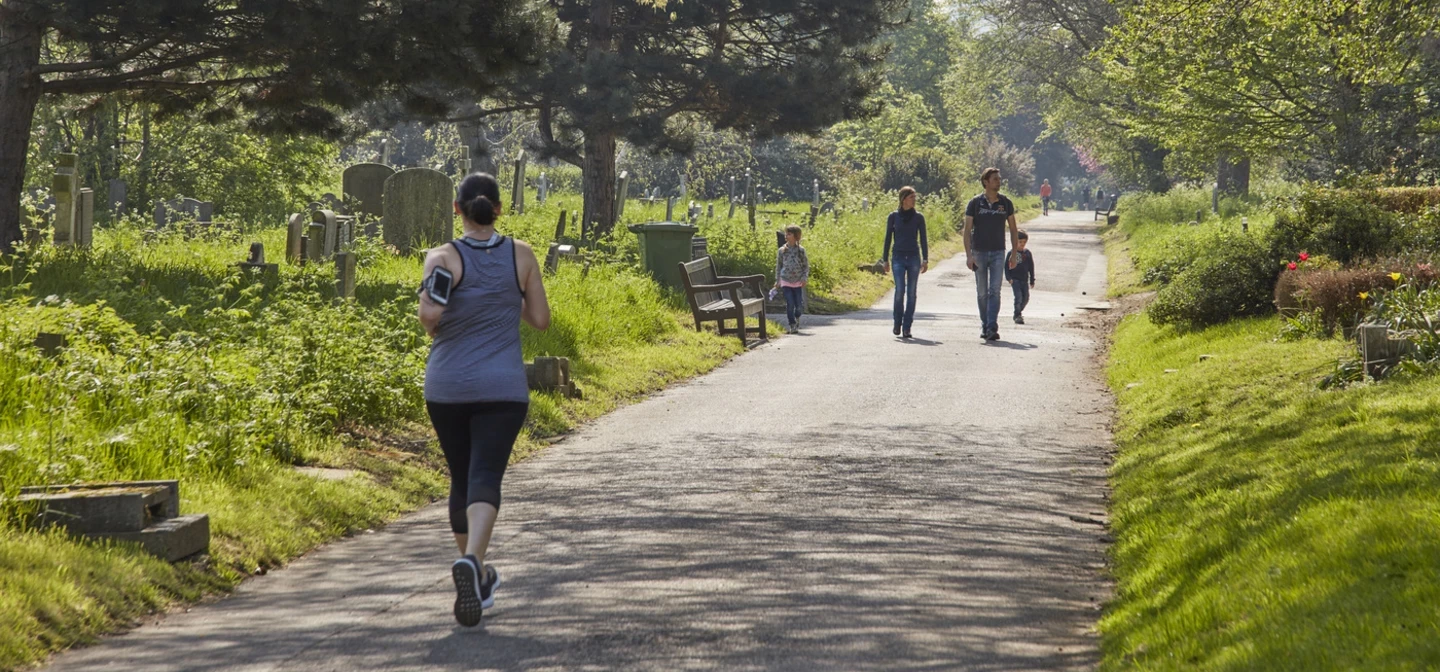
1261,523
1154,235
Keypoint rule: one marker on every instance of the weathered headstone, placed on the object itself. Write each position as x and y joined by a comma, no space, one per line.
345,275
65,188
864,205
684,190
256,261
750,197
732,190
169,212
710,211
330,238
462,161
50,344
815,199
517,193
115,204
315,244
699,247
328,201
419,209
670,209
551,374
543,184
385,151
294,235
365,184
560,227
146,513
557,251
85,220
622,187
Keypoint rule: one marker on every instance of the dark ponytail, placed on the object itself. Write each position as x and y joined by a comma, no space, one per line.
478,197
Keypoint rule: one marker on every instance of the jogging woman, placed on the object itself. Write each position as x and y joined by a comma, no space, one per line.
475,387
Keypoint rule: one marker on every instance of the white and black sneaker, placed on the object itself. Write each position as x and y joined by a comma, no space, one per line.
468,600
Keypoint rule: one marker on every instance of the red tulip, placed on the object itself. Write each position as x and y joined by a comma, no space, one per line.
1304,256
1291,266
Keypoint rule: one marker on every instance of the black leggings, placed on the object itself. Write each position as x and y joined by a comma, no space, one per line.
477,439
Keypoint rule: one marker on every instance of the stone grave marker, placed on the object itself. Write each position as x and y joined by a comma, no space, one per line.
684,189
560,227
551,374
732,190
517,193
50,344
85,220
699,247
864,205
169,212
345,275
115,204
331,202
315,243
419,209
558,251
710,211
294,238
365,184
622,188
256,262
142,512
670,209
65,188
544,189
331,234
750,197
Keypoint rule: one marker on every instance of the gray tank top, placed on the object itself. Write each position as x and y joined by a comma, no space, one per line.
476,355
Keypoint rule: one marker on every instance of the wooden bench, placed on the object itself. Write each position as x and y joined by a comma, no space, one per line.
1109,206
719,299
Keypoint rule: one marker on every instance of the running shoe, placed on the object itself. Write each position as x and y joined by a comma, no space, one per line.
469,603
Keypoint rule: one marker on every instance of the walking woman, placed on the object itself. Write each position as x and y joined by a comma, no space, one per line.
911,257
475,387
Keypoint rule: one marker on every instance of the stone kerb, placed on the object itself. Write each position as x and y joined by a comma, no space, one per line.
419,209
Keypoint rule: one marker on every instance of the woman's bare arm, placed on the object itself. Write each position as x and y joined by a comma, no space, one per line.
535,310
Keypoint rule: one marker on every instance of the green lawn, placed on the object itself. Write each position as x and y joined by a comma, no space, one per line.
1261,523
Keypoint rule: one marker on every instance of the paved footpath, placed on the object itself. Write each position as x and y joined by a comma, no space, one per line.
840,500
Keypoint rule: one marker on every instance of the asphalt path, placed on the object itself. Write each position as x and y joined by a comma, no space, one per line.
837,500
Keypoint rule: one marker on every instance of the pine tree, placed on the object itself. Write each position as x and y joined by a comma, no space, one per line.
628,69
289,65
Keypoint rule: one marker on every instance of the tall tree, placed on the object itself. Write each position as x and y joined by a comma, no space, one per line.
631,69
288,64
1347,82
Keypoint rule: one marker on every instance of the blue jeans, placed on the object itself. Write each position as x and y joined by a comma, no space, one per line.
1022,295
907,278
794,303
989,274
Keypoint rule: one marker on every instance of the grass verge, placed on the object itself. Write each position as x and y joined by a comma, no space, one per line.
1260,523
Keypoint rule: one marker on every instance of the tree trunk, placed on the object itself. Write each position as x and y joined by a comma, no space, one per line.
19,94
598,168
1233,175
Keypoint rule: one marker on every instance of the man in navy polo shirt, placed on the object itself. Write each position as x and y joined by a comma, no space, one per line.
986,218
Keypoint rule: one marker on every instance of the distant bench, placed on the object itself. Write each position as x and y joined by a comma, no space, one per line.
1108,207
718,299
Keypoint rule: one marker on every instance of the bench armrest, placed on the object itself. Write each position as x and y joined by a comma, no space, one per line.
757,281
722,287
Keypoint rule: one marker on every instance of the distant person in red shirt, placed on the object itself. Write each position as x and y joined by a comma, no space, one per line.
1045,196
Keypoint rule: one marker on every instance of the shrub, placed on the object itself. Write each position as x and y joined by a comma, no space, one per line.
1232,278
928,170
1408,200
1335,292
1016,164
1347,225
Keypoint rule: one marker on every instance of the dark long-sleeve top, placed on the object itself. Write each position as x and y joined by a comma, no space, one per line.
1025,270
906,229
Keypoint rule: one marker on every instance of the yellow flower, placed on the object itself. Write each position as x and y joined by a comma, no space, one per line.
1395,276
1364,295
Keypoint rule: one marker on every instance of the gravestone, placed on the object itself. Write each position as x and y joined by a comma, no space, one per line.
828,207
256,261
750,197
50,344
141,512
419,209
815,199
551,374
517,193
294,238
543,184
699,247
560,227
115,204
1378,350
670,209
365,184
65,188
462,161
864,205
315,243
330,230
710,211
169,212
684,190
85,219
557,251
330,202
732,190
345,275
622,187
